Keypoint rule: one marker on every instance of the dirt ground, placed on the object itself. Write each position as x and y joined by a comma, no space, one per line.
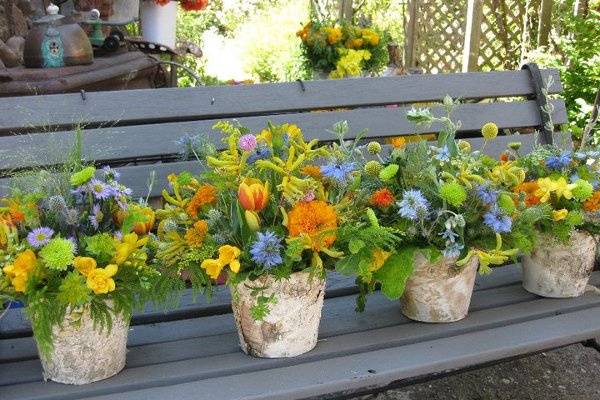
570,373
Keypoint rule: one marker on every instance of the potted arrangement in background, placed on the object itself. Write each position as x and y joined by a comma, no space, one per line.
340,51
271,220
563,187
78,272
159,19
452,219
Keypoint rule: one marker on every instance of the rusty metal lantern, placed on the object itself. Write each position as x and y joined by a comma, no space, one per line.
53,42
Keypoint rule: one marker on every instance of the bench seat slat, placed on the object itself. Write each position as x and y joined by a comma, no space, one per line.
145,141
381,313
136,107
534,323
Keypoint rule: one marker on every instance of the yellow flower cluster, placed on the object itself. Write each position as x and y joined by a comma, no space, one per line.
350,64
98,279
228,255
20,270
560,187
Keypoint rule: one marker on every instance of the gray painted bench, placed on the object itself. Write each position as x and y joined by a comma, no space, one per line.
192,352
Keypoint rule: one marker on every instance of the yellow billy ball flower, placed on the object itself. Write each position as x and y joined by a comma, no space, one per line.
373,168
374,148
489,131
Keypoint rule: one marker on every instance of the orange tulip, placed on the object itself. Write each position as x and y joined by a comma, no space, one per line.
253,195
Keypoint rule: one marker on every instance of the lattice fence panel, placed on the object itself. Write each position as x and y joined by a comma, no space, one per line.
504,26
439,35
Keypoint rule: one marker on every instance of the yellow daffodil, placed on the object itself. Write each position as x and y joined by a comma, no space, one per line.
126,246
84,265
559,215
227,256
18,272
563,189
100,279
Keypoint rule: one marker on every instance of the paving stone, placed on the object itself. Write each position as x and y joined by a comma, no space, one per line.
569,373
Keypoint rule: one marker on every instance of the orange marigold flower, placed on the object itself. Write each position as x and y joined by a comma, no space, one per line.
317,219
593,203
398,142
504,157
529,188
313,171
195,235
382,198
206,194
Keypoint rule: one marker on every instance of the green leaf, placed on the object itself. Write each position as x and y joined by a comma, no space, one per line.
395,272
432,254
355,245
347,265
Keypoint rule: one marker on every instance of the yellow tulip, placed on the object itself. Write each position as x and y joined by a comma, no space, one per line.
84,265
212,267
253,195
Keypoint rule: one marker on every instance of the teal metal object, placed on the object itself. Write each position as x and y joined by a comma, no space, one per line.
53,51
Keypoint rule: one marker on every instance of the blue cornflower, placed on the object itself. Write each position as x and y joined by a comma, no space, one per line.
413,205
497,221
338,172
559,162
443,154
453,250
96,216
260,153
449,235
266,250
486,194
39,237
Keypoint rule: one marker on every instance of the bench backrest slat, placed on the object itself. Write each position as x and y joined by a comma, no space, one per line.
136,107
137,130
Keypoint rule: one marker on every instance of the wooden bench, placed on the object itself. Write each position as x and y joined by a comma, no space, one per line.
192,352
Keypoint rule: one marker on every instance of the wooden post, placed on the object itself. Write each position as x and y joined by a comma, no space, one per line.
545,22
410,35
470,59
346,11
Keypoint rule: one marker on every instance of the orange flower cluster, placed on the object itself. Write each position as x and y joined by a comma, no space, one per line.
206,194
529,188
382,198
313,218
194,5
195,235
593,203
313,171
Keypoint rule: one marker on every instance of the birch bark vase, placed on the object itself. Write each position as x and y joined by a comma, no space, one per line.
82,353
440,291
292,326
159,22
560,270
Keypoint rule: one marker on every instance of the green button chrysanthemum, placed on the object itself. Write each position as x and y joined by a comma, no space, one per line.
374,148
58,254
582,190
453,193
83,176
506,204
389,172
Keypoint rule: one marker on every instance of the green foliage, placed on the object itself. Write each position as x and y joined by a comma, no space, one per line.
395,272
577,57
260,309
73,290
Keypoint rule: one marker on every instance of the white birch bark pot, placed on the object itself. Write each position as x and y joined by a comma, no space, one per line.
292,326
560,270
440,291
83,354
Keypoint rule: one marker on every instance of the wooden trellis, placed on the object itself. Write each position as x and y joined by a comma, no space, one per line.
469,35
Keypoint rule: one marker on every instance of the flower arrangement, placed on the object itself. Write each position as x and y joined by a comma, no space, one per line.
344,50
68,244
444,202
563,185
187,5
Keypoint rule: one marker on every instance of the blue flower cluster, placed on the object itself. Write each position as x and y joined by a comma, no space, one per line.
497,220
559,162
259,153
486,194
266,250
338,172
413,205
